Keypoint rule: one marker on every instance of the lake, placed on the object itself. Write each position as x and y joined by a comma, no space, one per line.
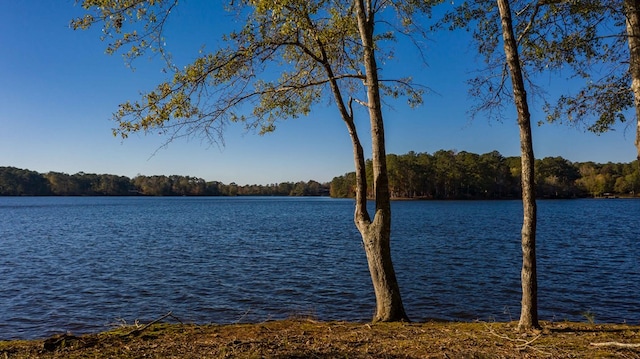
86,264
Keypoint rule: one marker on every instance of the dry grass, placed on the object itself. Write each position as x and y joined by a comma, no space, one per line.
303,338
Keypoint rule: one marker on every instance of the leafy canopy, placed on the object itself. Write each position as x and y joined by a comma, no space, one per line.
279,63
581,41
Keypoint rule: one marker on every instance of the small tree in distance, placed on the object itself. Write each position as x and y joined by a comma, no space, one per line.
320,49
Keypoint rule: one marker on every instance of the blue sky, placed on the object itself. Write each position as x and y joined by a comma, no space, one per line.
58,90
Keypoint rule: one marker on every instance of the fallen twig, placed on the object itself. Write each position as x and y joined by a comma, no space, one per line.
617,344
139,330
526,344
242,316
520,344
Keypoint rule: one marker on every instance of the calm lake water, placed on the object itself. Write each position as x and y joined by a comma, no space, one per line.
84,264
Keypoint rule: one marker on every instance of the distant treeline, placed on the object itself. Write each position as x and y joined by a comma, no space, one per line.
20,182
441,175
464,175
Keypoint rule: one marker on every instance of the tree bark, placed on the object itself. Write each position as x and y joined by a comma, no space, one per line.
376,234
632,14
529,309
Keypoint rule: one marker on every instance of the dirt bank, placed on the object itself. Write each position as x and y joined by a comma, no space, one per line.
304,338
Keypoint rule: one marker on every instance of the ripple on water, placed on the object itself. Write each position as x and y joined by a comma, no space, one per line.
83,264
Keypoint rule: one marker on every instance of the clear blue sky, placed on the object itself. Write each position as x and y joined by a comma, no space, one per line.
58,90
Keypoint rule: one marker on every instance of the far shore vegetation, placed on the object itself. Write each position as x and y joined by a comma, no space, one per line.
445,174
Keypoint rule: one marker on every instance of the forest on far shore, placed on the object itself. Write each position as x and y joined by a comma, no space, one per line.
445,174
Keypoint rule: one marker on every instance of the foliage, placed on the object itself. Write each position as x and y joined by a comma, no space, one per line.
581,41
81,183
441,175
464,175
310,188
310,45
586,42
19,182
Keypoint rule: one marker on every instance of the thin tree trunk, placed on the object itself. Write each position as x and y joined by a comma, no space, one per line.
632,13
376,235
529,310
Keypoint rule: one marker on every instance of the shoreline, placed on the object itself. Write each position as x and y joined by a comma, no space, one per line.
308,338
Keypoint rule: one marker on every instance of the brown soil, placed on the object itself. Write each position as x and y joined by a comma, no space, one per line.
304,338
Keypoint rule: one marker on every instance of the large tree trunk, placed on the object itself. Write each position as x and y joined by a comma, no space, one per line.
376,234
529,311
632,13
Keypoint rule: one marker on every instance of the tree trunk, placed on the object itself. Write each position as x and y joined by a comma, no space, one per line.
376,235
529,310
632,13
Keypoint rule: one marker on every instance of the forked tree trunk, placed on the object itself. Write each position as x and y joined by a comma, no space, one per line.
632,13
376,234
529,310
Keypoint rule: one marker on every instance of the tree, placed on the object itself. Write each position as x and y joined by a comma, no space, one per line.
318,47
529,309
555,177
63,184
299,189
153,185
496,174
471,184
489,19
596,43
447,174
631,10
19,182
111,185
342,186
